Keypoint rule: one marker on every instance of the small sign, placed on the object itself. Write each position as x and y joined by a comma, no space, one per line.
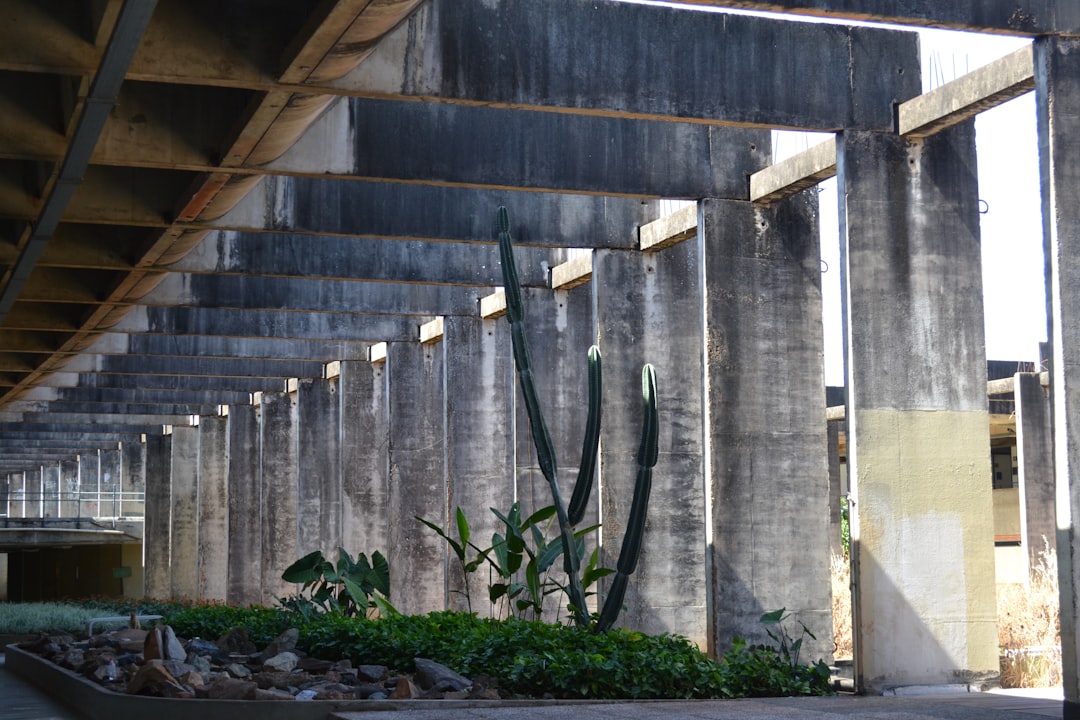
121,572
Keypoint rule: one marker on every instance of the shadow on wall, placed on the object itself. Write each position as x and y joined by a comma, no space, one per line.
897,647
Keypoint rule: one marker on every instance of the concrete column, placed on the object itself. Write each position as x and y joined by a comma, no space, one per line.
132,479
89,485
1057,85
245,514
417,475
18,495
110,472
918,452
365,458
184,514
649,310
278,490
1035,460
836,543
213,499
767,469
156,528
32,483
70,505
50,485
561,326
318,425
480,437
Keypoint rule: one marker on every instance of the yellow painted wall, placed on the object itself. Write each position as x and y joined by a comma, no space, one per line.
925,548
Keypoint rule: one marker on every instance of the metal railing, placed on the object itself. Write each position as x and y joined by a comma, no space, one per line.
98,504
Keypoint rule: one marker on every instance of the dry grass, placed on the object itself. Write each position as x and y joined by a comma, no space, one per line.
1028,629
841,607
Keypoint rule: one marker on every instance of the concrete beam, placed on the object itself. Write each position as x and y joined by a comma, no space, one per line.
108,422
214,367
179,383
480,147
179,321
923,116
151,397
325,206
75,406
967,96
714,68
365,299
795,174
669,230
226,347
336,258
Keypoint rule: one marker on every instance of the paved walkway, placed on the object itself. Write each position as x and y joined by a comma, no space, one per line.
20,701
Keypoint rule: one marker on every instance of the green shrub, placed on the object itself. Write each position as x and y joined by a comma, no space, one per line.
532,658
210,622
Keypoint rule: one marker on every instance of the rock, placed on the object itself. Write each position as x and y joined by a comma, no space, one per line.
334,694
405,690
178,667
227,688
130,640
314,665
371,673
199,662
236,642
153,649
285,642
367,691
273,694
381,695
107,672
268,680
282,662
73,659
203,647
431,675
237,670
174,649
153,678
192,679
306,695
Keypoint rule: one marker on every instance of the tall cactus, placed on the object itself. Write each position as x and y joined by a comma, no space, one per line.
545,451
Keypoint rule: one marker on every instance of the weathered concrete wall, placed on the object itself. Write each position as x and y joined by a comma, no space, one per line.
724,68
110,472
417,475
69,485
918,451
365,457
480,440
278,492
768,481
649,310
156,530
50,476
1057,82
184,514
133,478
560,326
245,506
213,512
89,484
1035,462
318,479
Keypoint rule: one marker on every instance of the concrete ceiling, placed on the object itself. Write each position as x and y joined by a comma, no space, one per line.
201,198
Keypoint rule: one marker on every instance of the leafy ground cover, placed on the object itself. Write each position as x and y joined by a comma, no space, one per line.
526,658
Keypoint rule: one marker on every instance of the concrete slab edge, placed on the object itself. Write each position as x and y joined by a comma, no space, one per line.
794,174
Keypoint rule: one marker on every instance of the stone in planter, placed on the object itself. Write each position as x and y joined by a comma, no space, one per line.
282,662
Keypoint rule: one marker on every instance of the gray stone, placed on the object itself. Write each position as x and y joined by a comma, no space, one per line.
431,675
227,688
237,670
285,642
306,695
282,662
173,648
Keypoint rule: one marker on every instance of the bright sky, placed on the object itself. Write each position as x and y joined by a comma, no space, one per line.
1007,143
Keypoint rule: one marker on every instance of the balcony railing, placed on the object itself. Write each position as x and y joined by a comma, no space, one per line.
96,504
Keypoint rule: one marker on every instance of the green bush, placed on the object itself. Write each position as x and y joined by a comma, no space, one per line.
210,622
533,659
29,618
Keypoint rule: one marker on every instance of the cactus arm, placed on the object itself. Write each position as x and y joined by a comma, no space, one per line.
635,526
587,472
545,451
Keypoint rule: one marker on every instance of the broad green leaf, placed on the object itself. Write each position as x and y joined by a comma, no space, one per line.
305,570
774,617
462,528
